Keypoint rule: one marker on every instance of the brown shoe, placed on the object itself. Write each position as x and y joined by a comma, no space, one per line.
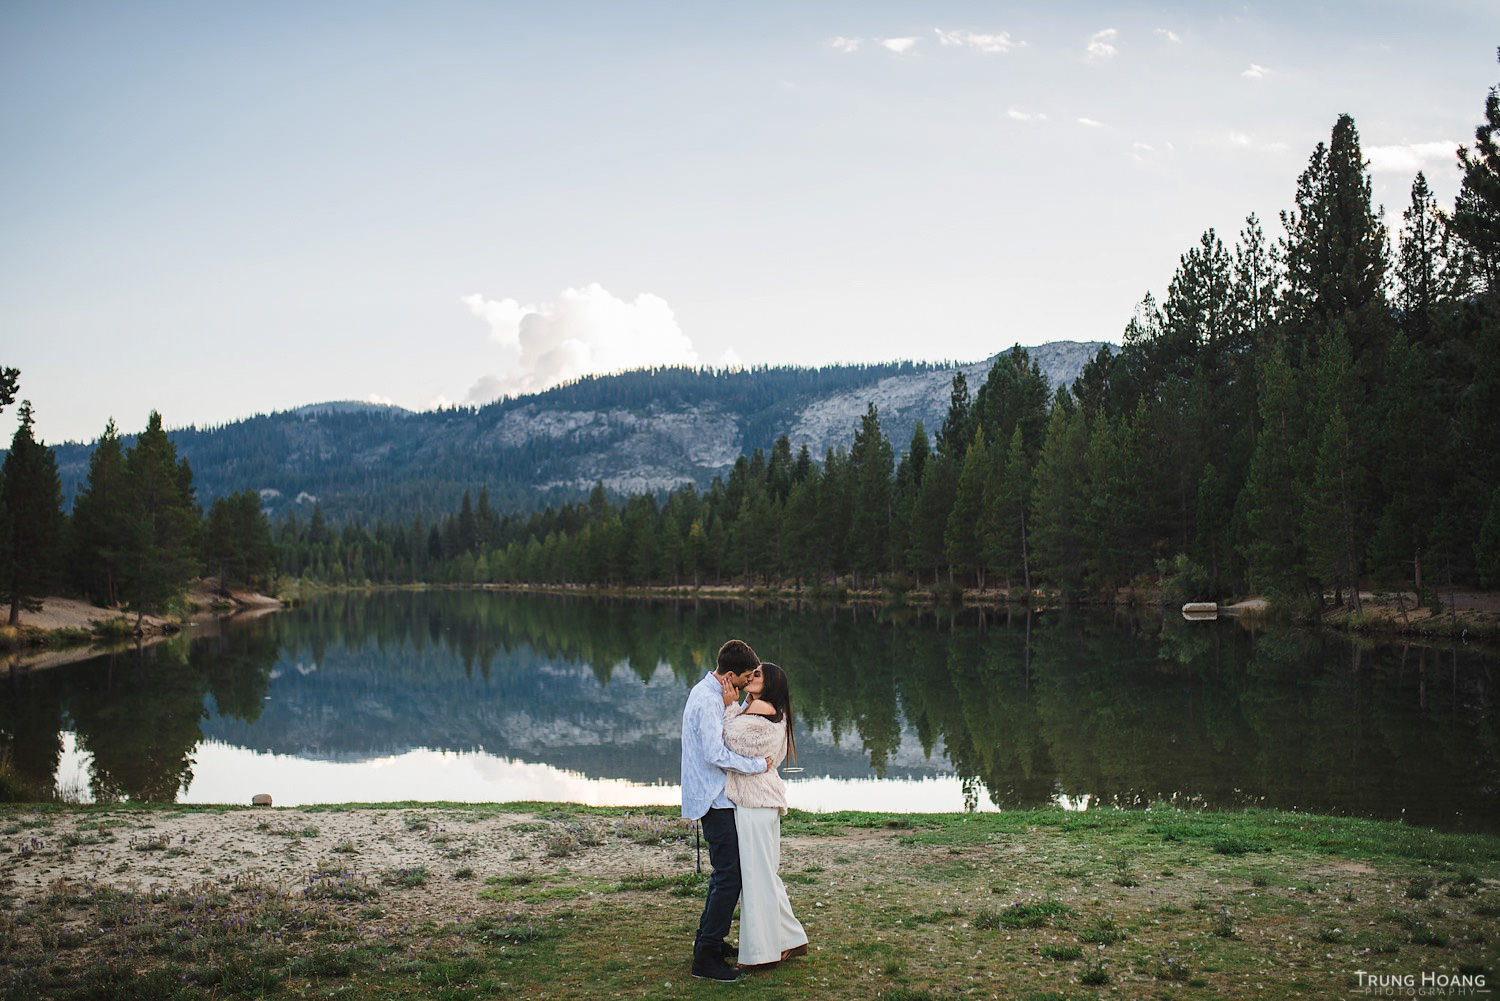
795,951
758,967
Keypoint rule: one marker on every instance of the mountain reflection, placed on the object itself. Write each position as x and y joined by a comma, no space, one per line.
1023,708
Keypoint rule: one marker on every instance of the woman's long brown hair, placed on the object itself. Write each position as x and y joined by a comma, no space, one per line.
776,691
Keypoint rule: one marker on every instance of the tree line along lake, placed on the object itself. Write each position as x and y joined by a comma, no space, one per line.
479,695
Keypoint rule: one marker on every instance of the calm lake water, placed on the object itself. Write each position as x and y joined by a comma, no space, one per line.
482,696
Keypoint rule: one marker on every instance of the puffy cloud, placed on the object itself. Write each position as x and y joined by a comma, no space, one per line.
845,44
584,331
1255,72
1025,116
982,43
1091,123
1169,35
899,46
1102,44
1408,158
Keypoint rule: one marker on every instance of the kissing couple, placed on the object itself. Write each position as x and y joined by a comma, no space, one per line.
730,751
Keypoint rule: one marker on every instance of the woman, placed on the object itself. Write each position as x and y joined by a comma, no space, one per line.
769,931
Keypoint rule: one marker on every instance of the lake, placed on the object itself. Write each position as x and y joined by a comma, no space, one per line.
485,696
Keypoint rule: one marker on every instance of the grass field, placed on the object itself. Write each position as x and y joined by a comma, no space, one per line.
466,901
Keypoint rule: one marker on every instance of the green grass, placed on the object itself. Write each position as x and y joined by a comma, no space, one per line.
1019,904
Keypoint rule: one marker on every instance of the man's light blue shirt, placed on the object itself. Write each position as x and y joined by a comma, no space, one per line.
704,756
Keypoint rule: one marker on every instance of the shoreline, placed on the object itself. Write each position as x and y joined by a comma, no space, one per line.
554,900
83,631
1474,615
67,630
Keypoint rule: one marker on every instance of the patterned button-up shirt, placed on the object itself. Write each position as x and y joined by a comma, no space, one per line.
704,756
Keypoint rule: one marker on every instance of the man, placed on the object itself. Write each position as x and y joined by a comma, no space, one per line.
704,760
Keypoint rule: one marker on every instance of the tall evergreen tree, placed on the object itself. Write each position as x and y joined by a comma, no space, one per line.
1330,518
237,540
160,554
31,520
1271,501
870,467
1475,221
1421,263
101,521
9,381
957,427
961,541
909,472
1058,501
1335,252
1003,526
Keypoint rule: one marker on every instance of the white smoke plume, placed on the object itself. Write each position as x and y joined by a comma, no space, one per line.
584,331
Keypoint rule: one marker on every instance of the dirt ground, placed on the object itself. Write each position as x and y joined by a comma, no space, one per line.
461,849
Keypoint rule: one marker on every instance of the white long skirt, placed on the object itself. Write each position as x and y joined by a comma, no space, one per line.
767,925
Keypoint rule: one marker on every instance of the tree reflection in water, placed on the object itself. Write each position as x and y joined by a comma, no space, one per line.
1024,707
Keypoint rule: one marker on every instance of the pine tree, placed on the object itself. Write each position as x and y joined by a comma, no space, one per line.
237,540
929,519
9,380
800,532
1335,251
1003,528
836,510
1254,290
961,542
1058,502
1014,394
909,473
1330,516
1421,263
957,428
101,525
1271,501
468,527
1475,222
31,520
870,467
160,555
1412,475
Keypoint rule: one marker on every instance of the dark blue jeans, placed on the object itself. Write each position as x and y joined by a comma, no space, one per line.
724,885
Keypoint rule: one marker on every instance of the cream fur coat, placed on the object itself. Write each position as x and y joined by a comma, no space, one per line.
755,737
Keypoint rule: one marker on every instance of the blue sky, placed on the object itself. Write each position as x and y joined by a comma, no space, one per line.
216,209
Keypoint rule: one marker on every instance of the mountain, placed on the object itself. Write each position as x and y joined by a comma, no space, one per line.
647,430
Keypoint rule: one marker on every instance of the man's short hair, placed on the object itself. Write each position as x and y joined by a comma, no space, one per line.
736,657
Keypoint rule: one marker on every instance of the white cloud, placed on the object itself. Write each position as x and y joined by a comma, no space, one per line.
845,44
1169,35
1142,151
1091,123
584,331
1239,139
730,360
982,43
1255,72
899,46
1408,158
378,400
1025,116
1102,44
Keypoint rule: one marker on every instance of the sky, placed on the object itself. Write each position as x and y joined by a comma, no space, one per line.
214,210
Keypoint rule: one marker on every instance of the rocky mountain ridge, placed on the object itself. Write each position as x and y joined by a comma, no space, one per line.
635,432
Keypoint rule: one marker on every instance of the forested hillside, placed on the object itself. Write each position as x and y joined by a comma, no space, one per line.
1302,416
647,430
